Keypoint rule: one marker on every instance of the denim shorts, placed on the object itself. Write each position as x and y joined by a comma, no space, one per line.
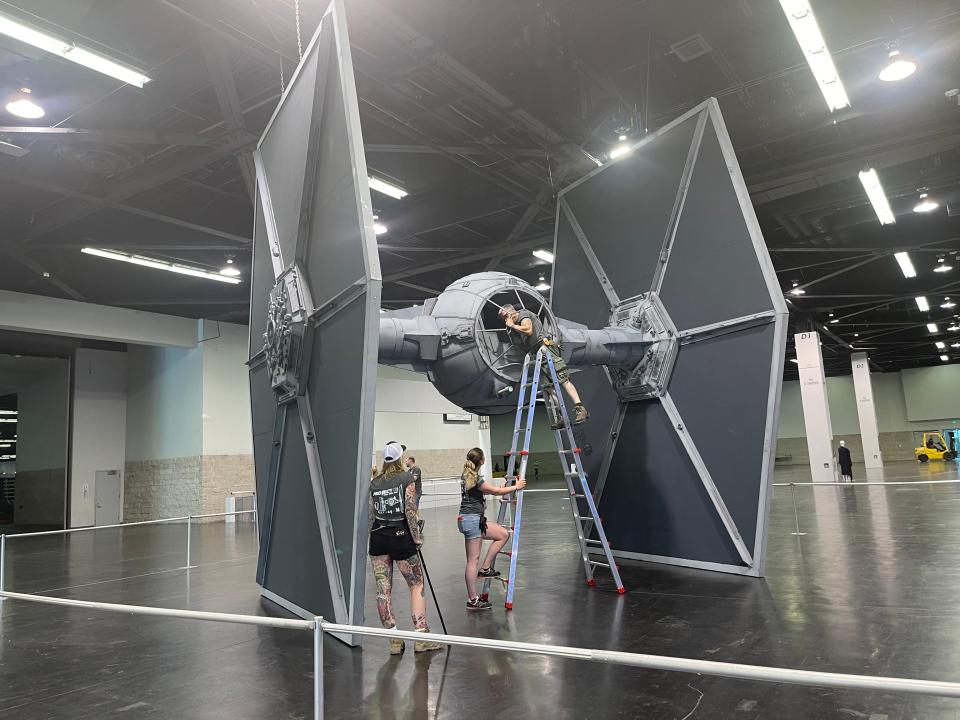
469,525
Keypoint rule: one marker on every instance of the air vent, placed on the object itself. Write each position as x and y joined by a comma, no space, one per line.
691,48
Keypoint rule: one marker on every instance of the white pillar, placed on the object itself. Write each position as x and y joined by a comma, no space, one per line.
866,411
484,444
816,409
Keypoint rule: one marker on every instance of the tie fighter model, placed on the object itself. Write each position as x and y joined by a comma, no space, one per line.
664,300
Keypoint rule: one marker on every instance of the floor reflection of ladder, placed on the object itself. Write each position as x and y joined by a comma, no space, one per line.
582,503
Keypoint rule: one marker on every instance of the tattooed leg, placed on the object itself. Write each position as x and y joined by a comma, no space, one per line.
412,571
383,573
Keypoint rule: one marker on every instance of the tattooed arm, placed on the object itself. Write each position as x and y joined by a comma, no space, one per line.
410,510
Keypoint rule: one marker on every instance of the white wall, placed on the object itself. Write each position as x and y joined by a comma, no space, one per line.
226,389
164,403
99,426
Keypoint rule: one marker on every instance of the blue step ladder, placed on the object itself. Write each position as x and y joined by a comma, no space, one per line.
582,503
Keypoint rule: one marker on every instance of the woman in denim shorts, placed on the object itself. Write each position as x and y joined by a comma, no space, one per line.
475,526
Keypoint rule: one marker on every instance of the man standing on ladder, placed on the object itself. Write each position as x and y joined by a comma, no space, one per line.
532,338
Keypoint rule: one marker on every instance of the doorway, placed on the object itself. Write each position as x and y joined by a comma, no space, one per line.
106,492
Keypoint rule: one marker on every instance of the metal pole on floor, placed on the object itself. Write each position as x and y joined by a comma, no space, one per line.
796,517
3,561
318,668
189,534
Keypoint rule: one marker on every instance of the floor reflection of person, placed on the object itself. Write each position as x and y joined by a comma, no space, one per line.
395,538
845,462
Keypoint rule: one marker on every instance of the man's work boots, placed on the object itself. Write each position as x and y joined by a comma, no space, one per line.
580,414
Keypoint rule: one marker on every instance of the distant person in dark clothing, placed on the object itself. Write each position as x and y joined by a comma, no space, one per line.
845,462
414,469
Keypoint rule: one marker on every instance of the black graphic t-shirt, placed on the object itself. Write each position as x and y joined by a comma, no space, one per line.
530,342
388,497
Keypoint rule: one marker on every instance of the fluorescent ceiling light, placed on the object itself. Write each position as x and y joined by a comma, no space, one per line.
944,358
798,291
955,345
922,303
621,138
8,412
230,271
941,265
906,265
804,25
160,265
932,327
878,198
22,107
834,322
386,188
7,420
379,228
619,150
544,255
8,457
940,345
542,286
12,150
69,51
794,360
925,205
953,328
898,68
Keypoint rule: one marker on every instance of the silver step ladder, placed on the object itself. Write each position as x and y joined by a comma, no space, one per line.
575,477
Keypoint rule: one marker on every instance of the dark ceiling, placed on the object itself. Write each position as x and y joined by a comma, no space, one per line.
482,111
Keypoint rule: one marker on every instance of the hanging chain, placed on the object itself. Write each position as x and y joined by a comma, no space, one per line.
296,8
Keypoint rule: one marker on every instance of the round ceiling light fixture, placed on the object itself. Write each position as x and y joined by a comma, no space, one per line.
942,266
926,204
230,270
948,303
24,107
900,67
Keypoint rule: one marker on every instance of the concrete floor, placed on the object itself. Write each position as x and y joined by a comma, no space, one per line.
871,588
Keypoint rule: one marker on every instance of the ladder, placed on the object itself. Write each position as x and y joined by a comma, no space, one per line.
575,477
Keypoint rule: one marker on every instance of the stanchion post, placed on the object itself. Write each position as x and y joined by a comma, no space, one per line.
796,516
189,536
3,561
318,668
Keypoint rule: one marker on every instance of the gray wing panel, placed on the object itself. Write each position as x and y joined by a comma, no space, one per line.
721,387
653,501
594,437
335,253
625,210
283,151
336,394
295,569
261,281
576,293
713,272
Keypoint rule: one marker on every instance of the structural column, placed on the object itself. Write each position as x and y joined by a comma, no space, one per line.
866,411
816,409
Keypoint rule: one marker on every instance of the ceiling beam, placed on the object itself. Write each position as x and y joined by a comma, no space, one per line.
454,149
517,249
106,136
34,266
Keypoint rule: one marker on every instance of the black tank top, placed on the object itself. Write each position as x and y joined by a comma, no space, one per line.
389,504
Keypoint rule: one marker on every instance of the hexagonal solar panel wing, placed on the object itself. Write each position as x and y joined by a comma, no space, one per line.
313,337
683,477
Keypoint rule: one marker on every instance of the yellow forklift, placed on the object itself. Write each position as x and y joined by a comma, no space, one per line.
933,447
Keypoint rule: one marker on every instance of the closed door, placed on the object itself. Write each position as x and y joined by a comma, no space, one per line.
107,496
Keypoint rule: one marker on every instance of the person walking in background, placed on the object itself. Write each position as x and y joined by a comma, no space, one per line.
472,522
845,462
414,469
395,538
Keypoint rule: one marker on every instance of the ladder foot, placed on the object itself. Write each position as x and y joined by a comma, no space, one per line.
485,596
508,606
621,590
590,583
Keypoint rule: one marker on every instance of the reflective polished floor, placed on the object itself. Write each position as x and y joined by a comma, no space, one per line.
872,587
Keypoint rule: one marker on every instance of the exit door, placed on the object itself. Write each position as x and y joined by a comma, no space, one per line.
107,496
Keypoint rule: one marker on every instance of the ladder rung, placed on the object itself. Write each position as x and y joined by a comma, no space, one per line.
599,564
505,552
590,541
577,495
509,502
575,451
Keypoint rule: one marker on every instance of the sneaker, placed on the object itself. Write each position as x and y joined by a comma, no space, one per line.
581,415
397,647
426,645
488,573
478,604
